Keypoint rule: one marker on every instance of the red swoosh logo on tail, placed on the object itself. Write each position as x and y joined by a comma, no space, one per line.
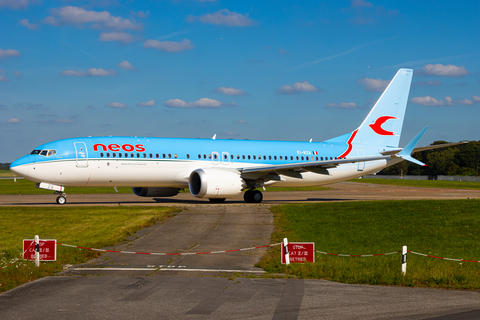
377,126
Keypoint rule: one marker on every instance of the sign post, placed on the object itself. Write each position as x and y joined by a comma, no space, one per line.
39,250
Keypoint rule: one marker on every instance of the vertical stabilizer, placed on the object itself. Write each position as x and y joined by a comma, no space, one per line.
383,125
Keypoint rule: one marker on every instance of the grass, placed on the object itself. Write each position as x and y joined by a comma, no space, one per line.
6,173
423,183
95,227
445,228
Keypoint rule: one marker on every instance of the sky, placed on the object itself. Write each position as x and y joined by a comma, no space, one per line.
259,70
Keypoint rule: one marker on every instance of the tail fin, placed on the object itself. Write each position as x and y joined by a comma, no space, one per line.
383,125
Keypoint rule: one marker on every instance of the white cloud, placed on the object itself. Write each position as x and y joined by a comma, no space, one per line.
201,103
466,102
141,14
169,46
13,120
17,74
4,79
117,105
150,103
429,101
343,105
14,4
296,88
374,85
125,65
122,37
225,17
79,17
92,72
230,91
25,23
9,53
476,98
443,70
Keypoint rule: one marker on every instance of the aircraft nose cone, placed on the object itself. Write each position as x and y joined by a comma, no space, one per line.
20,168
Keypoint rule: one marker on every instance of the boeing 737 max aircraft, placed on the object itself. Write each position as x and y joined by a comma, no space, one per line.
220,169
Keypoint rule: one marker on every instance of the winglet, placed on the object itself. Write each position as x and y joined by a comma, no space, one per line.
406,152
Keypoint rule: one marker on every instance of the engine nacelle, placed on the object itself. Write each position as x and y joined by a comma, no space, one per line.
155,192
215,183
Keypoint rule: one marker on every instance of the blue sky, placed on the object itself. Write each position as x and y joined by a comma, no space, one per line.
278,70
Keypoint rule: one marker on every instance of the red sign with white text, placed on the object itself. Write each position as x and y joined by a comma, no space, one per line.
300,252
47,250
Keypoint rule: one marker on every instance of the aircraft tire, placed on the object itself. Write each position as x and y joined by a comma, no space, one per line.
247,196
217,200
61,200
256,196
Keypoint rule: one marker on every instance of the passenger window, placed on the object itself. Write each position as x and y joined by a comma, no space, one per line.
210,156
226,157
199,156
231,157
316,158
138,155
204,156
281,158
101,154
291,157
302,158
243,157
215,156
274,157
248,157
269,157
254,157
131,155
175,155
114,155
164,156
188,156
119,155
108,154
151,156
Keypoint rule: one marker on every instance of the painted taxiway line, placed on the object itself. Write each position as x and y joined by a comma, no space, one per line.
164,269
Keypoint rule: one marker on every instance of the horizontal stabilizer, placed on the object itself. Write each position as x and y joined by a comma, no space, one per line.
406,153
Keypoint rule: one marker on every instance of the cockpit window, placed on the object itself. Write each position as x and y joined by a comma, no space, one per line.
45,153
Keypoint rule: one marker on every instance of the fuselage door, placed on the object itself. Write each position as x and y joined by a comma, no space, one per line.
82,154
361,165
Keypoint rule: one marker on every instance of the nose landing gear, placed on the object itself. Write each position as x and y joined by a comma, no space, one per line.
253,196
62,198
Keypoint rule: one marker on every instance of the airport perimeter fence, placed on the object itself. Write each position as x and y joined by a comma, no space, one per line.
285,244
412,177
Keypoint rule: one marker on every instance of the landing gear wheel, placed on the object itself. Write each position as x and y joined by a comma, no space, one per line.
217,200
247,196
253,196
257,196
61,200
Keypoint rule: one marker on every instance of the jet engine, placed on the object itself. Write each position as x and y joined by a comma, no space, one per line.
215,183
155,192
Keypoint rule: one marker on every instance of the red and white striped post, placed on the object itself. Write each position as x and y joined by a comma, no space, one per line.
287,254
404,260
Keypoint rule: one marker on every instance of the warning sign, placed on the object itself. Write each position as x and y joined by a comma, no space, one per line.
300,252
46,248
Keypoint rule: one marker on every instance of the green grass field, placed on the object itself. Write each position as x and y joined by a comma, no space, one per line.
95,227
441,228
6,173
423,183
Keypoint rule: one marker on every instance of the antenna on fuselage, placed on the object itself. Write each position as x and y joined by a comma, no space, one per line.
311,140
214,136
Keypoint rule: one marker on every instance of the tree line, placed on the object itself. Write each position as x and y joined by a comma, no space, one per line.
462,160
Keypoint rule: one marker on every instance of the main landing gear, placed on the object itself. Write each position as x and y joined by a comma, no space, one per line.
253,196
62,198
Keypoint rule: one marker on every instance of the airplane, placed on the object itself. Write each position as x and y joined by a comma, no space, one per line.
218,169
